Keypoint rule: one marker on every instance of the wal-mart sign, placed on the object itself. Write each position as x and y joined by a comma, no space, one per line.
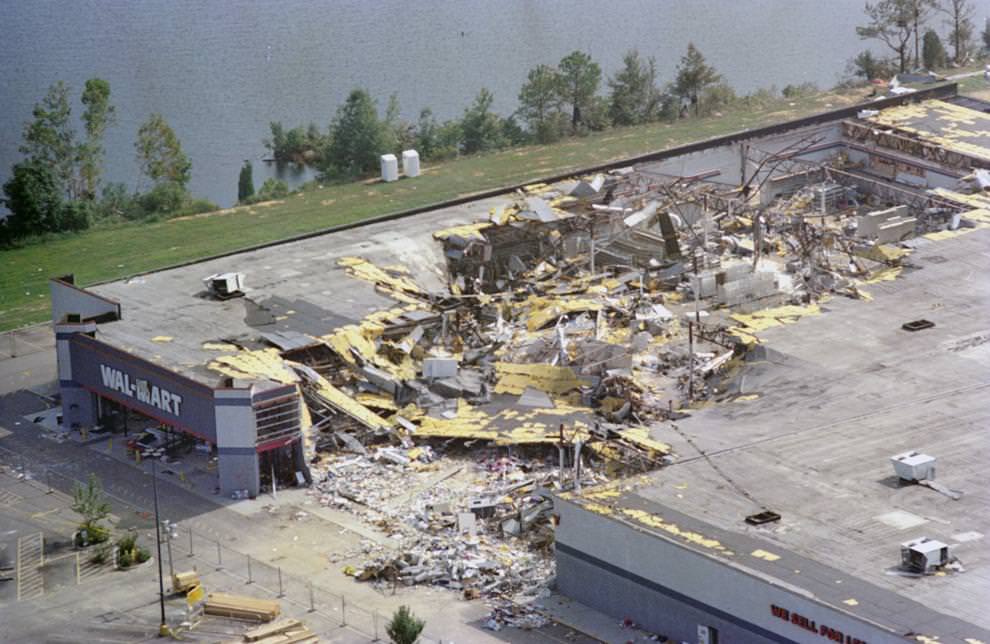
142,390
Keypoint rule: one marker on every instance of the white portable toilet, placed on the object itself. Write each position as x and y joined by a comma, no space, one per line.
410,163
390,168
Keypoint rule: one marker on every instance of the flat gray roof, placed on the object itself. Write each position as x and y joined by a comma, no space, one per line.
167,320
839,394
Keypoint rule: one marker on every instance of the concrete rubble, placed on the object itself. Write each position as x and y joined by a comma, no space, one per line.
577,320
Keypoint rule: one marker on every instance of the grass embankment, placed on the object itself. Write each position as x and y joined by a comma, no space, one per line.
115,252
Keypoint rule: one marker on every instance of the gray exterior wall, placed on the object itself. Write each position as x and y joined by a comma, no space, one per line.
671,589
91,359
223,417
66,299
237,461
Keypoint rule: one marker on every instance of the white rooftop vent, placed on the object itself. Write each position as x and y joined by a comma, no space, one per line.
923,555
410,163
914,466
390,167
225,285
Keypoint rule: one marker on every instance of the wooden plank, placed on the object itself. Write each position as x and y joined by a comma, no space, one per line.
241,607
274,628
304,636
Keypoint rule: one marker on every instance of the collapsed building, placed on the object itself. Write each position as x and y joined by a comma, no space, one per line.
503,385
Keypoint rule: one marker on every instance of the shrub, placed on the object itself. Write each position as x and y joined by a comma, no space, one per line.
127,542
404,628
273,188
164,198
96,533
101,554
195,207
125,558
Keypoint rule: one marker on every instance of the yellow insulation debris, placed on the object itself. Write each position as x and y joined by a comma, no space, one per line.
640,437
777,316
220,346
467,231
545,311
394,281
884,275
958,128
514,378
657,522
377,401
348,405
251,365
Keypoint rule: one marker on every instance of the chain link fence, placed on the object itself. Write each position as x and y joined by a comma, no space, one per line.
191,549
183,549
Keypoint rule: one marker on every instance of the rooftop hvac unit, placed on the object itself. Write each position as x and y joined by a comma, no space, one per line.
914,466
923,555
224,286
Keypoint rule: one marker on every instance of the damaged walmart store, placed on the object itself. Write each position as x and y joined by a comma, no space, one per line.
683,378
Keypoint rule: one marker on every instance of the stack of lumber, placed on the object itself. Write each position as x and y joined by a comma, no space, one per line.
241,607
284,631
184,581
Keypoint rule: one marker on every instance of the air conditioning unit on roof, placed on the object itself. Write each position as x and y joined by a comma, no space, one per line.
923,555
225,285
914,466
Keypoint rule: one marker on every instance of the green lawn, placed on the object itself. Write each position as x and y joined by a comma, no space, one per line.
116,252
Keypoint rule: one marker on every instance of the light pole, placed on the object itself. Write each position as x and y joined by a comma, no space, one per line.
155,454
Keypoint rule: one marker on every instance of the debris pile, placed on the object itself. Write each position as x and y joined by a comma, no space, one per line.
576,318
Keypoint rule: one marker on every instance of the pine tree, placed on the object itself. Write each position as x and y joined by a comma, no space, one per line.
245,183
50,138
481,129
97,117
539,103
358,137
634,96
932,52
579,80
404,628
694,75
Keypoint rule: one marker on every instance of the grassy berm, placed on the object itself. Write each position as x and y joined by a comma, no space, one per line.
112,252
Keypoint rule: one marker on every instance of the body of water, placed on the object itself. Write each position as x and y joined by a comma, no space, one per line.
220,71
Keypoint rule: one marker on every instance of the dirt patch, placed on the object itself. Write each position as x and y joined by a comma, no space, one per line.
231,211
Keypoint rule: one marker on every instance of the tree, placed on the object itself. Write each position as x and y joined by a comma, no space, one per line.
539,103
920,12
892,23
868,67
932,52
273,188
960,21
50,139
34,198
694,76
426,134
986,35
91,504
358,137
481,129
634,96
245,182
404,627
579,80
98,115
160,154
